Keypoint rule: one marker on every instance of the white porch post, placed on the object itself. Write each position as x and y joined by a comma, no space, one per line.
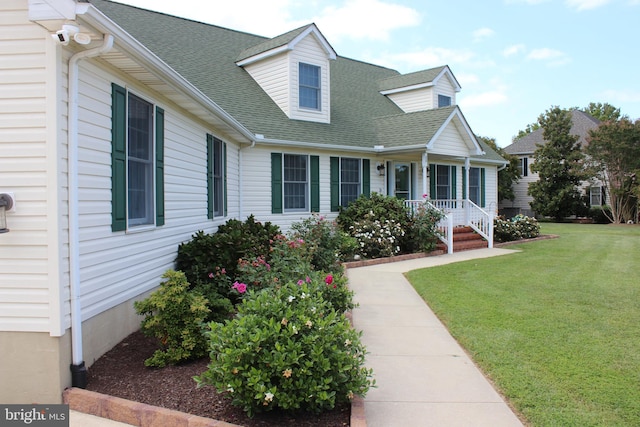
467,215
425,165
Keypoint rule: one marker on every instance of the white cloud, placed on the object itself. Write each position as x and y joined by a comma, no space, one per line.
550,56
482,33
513,50
365,19
621,96
425,58
466,79
586,4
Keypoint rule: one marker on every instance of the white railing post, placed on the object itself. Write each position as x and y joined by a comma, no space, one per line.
490,232
450,234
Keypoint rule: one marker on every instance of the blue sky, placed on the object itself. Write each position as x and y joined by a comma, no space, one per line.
514,59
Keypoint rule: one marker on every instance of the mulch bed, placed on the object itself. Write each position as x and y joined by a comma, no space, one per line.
121,373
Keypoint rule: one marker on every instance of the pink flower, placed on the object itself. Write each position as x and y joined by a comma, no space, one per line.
300,282
240,287
329,279
223,271
210,275
308,279
424,196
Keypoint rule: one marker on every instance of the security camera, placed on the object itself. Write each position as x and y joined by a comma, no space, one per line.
61,37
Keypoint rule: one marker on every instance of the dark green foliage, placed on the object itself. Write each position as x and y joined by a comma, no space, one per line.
327,244
600,214
235,240
287,349
603,112
174,315
425,230
559,163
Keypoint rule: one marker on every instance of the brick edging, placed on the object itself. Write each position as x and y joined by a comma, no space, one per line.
133,413
376,261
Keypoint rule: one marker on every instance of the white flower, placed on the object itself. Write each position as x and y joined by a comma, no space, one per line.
291,298
347,342
303,296
229,388
268,397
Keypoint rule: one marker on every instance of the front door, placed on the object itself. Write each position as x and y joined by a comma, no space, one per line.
403,181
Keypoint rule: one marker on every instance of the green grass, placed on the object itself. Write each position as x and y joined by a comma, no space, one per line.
556,326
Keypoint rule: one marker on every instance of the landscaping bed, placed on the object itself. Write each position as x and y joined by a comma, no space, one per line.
121,372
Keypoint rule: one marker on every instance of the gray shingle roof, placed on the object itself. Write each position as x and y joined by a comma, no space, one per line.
206,56
581,124
410,79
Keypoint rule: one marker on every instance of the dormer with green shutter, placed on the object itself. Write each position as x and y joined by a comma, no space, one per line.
294,70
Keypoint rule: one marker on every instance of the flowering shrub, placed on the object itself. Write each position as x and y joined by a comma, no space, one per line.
287,349
327,244
206,254
391,214
425,227
519,227
174,316
377,238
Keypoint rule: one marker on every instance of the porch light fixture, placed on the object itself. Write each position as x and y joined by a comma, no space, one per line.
380,167
6,203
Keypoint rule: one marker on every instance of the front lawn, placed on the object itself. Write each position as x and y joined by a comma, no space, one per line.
556,326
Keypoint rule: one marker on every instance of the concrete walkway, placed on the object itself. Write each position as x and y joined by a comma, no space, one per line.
423,376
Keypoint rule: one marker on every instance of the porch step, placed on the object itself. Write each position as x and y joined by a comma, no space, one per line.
464,239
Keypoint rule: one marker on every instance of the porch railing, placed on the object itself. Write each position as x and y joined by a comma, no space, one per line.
458,212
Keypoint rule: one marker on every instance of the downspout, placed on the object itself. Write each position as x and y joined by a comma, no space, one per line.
240,175
78,369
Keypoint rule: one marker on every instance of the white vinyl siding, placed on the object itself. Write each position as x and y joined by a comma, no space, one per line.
273,75
444,87
309,51
30,252
414,100
450,142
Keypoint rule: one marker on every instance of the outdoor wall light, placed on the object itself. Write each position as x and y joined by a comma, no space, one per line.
6,203
380,168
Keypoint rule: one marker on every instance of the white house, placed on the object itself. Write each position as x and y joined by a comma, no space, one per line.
124,131
525,147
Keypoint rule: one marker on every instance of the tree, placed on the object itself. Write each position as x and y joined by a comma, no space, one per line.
614,147
603,112
531,127
507,176
559,163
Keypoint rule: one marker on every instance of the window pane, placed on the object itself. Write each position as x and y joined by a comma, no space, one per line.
140,161
443,182
309,82
474,185
444,101
295,182
349,180
218,190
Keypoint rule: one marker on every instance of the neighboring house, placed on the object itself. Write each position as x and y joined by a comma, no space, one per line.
124,131
525,147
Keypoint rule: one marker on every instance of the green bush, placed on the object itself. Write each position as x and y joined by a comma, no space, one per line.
378,217
425,227
326,242
205,253
334,290
174,316
600,214
287,349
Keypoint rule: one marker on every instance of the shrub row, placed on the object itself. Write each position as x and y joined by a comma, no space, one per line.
518,227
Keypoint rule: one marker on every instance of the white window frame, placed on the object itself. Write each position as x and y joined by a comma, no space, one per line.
439,185
595,195
475,191
351,184
523,166
288,183
148,217
305,86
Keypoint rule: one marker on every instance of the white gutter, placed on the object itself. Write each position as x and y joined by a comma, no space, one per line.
79,372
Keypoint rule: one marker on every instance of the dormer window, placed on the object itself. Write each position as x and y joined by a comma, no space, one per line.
309,86
444,101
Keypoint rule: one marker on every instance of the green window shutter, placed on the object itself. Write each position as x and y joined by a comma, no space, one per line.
464,182
454,178
276,183
209,176
482,189
315,184
432,181
118,158
334,175
366,177
224,176
159,166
